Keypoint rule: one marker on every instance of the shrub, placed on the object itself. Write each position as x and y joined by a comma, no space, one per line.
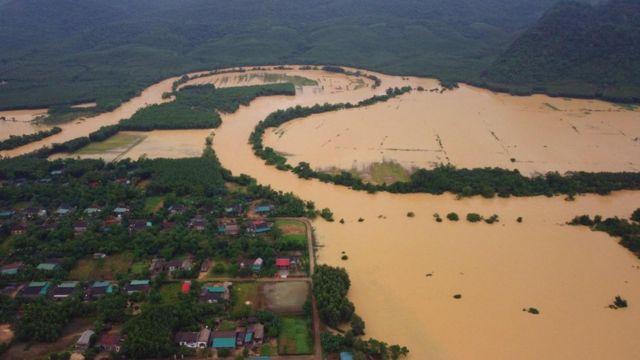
473,217
519,219
619,302
453,216
411,214
492,219
326,214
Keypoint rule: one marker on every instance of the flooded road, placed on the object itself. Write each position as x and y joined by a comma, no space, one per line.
405,271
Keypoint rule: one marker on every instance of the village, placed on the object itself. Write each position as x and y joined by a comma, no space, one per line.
256,297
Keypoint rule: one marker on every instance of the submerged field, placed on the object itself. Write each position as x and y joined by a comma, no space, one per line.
406,270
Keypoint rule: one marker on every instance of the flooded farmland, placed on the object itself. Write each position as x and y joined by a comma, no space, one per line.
406,270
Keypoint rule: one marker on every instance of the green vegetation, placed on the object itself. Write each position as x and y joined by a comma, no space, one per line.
600,38
326,214
295,336
195,106
627,231
453,216
110,267
293,231
32,327
16,141
245,300
118,141
619,303
533,311
66,65
473,217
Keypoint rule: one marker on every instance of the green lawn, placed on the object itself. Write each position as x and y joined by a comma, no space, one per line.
153,203
295,337
118,141
246,295
169,292
293,230
387,172
107,268
139,267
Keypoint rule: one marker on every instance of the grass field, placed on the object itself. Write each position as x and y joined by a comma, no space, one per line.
385,172
169,292
295,337
293,230
246,295
107,268
139,267
118,141
153,203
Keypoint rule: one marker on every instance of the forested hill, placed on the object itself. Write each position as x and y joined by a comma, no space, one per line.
61,51
576,49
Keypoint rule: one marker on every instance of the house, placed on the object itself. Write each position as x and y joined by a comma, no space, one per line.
64,210
186,287
263,209
57,172
254,265
157,265
283,263
92,210
120,211
175,265
5,214
198,223
177,209
35,289
112,221
228,227
49,265
18,229
99,255
206,264
84,342
346,356
193,339
259,227
80,227
258,333
136,286
11,269
215,294
64,290
98,289
109,342
223,340
235,210
139,225
32,213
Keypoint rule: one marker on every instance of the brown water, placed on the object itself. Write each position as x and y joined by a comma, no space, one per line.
20,122
468,127
569,273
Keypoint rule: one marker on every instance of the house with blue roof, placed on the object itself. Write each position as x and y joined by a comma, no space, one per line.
223,340
346,356
35,289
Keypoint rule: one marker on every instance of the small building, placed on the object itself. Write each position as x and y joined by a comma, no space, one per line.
177,209
254,265
223,340
139,225
235,210
49,265
99,255
56,172
5,214
259,227
109,342
205,266
257,265
18,229
186,287
258,333
121,211
64,290
215,294
98,290
35,289
157,265
137,286
283,263
80,226
193,339
32,213
11,269
228,227
92,210
263,209
182,265
64,210
346,356
84,342
198,223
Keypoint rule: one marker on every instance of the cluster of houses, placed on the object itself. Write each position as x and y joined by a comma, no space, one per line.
250,334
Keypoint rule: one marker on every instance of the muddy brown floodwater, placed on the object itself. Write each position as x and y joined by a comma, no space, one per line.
405,271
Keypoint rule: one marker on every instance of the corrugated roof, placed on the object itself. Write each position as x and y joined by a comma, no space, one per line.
139,282
224,342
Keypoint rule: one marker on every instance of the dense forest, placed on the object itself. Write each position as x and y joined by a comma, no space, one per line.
576,49
627,230
82,51
16,141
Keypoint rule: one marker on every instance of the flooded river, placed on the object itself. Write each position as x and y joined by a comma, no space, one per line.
405,271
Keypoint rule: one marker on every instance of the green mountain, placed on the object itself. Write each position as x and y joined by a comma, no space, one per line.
576,49
63,51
